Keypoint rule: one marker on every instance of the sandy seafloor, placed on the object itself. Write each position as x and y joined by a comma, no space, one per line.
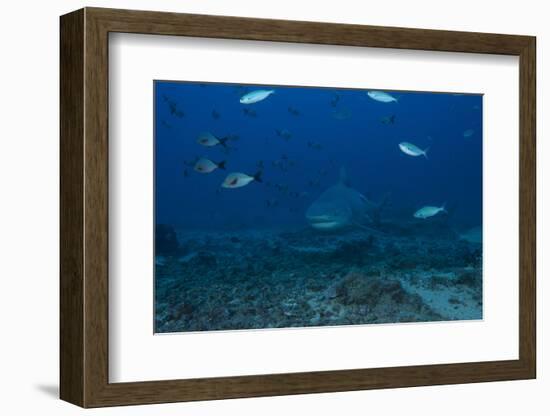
272,278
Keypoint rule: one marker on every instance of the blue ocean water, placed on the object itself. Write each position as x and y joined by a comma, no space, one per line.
220,250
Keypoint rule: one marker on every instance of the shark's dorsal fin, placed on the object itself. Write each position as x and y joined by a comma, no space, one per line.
344,176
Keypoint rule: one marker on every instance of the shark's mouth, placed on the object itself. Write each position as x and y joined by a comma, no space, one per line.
325,222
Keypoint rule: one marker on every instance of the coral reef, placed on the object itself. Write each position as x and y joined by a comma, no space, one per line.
166,240
276,279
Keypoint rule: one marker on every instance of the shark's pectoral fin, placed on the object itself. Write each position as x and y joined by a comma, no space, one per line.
369,229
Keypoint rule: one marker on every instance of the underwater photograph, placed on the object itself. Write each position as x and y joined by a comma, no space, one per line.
290,207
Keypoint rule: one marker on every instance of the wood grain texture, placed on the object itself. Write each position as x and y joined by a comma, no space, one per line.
84,207
528,208
71,100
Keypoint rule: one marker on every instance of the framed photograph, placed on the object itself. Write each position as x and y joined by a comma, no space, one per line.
257,207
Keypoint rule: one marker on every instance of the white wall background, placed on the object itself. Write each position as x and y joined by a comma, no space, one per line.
29,207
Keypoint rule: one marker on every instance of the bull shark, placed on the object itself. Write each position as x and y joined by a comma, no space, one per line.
341,206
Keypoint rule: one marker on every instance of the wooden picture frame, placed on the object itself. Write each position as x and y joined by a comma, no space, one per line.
84,207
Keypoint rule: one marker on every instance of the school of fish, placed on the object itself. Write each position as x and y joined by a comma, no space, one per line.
340,205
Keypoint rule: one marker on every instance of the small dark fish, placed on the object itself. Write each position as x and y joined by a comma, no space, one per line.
342,114
388,119
165,124
314,183
173,106
284,133
228,150
281,188
283,163
335,100
315,146
294,111
215,115
250,113
271,203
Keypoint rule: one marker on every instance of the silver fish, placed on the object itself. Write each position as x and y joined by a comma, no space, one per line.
468,133
382,97
429,211
413,150
209,140
255,96
238,180
204,165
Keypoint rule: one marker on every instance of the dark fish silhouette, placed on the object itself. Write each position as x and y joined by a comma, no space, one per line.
335,100
281,188
227,150
165,124
271,203
250,112
314,183
215,115
284,133
342,114
173,106
284,163
294,111
315,146
388,119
